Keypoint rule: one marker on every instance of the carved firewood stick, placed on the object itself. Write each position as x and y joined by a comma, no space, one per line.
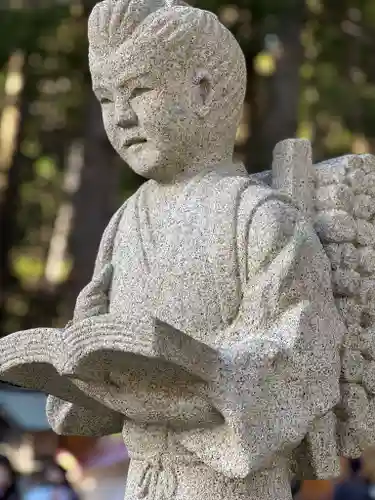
293,173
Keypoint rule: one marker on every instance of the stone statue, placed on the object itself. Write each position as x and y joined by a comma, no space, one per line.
209,334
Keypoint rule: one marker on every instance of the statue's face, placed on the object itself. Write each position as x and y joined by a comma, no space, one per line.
149,118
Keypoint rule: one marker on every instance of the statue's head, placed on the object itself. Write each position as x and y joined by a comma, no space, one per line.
171,81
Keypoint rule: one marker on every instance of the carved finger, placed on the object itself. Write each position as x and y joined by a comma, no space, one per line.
102,282
70,419
93,299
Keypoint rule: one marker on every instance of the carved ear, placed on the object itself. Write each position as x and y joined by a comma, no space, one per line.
203,91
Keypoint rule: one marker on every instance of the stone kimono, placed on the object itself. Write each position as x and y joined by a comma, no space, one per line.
219,342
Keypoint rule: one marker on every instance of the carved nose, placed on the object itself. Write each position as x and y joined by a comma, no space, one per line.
125,116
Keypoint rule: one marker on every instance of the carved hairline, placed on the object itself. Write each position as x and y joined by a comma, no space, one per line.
182,26
110,27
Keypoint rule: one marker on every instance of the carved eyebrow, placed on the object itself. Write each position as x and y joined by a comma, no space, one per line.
132,78
129,80
100,90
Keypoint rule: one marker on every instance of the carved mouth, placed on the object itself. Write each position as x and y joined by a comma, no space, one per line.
134,140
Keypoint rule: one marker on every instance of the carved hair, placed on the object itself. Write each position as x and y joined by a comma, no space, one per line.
168,33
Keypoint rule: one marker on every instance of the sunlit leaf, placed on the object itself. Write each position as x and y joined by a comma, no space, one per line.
45,167
265,64
315,6
305,130
27,268
307,71
60,272
30,148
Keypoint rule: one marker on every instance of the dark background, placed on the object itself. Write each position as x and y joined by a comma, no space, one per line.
311,74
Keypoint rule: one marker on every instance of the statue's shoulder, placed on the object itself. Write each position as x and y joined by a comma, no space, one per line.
248,201
128,205
262,205
244,190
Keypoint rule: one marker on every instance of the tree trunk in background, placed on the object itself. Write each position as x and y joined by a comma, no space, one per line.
93,203
9,192
278,119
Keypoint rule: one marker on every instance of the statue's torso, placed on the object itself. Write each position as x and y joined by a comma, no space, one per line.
160,257
185,261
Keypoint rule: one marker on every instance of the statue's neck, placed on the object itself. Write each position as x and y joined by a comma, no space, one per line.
194,170
167,193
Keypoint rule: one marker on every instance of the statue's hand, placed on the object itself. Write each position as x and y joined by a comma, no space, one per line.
94,298
68,416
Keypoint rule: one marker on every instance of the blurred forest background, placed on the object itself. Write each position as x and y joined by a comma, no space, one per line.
311,74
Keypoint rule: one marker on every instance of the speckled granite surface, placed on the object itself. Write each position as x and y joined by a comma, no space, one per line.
209,334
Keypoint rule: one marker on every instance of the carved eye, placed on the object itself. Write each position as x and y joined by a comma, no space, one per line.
139,91
104,100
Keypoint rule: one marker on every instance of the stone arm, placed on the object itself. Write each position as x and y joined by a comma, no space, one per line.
33,358
281,379
93,300
66,417
126,385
